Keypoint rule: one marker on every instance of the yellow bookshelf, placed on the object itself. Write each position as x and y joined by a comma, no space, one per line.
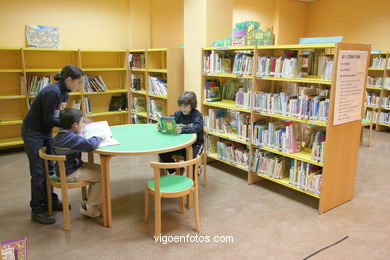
147,65
383,71
341,151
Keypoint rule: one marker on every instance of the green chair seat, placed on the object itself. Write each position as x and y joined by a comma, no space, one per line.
172,183
54,178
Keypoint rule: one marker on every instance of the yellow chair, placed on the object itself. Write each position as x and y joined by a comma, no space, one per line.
172,186
203,155
60,183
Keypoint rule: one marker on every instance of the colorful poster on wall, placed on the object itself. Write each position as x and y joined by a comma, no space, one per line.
42,36
350,81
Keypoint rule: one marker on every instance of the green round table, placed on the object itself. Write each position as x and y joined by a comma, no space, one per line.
137,139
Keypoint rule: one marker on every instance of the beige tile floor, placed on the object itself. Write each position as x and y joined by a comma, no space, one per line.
267,221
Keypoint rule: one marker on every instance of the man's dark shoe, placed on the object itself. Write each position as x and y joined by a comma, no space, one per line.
43,218
57,206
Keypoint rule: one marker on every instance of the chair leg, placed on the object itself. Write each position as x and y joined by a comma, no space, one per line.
157,215
181,205
204,169
84,192
65,208
196,206
49,201
147,205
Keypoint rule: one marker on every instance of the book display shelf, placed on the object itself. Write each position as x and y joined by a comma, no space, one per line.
156,81
24,71
377,106
273,117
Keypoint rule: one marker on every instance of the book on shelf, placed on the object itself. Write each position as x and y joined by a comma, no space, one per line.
212,90
378,62
233,152
88,106
218,62
37,83
305,176
139,104
136,60
385,102
229,122
94,84
372,99
100,129
371,115
272,165
230,88
374,82
167,124
75,103
118,103
315,138
158,86
281,136
135,119
384,118
244,97
137,81
386,83
243,64
289,66
303,106
156,108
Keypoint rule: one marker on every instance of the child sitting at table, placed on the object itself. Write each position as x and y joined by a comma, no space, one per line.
188,120
68,142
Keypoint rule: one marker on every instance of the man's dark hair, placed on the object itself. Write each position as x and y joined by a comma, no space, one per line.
188,98
69,116
69,71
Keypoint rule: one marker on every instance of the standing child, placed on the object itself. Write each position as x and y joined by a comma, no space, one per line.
68,142
37,132
188,120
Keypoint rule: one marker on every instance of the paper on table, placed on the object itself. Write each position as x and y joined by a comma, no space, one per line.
101,129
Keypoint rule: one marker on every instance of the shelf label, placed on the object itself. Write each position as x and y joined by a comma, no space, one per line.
350,83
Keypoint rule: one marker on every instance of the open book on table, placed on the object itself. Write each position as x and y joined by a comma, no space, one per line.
100,128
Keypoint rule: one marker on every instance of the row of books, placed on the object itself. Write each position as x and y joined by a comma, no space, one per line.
75,103
137,81
371,115
272,165
243,98
384,118
229,122
156,109
291,67
379,62
304,107
37,83
242,64
386,83
158,86
94,84
88,106
385,102
281,136
375,82
136,60
221,63
305,176
372,99
233,152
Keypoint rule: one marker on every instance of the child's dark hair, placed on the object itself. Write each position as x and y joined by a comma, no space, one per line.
69,71
188,98
69,116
